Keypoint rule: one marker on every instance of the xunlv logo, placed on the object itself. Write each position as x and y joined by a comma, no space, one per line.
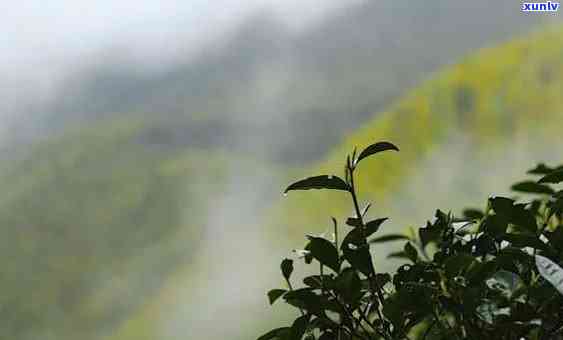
540,6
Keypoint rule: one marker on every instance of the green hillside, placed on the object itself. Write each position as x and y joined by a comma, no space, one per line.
498,108
92,222
496,112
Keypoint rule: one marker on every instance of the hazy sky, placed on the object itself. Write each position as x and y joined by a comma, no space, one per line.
46,32
41,41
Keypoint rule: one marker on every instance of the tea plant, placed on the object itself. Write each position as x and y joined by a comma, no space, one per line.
489,274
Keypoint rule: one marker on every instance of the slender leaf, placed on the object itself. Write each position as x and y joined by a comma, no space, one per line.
319,182
532,187
389,238
554,177
541,169
376,148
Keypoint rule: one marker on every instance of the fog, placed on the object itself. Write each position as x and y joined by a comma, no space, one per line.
43,41
235,97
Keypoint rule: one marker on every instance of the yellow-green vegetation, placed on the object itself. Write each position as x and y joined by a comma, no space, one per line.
508,97
92,221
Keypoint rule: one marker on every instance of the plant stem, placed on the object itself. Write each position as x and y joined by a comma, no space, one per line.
374,286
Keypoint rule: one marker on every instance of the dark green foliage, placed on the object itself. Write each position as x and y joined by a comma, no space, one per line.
492,274
287,268
319,182
532,187
376,148
553,177
324,252
275,294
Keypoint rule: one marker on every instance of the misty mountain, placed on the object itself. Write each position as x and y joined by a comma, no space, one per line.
266,82
119,171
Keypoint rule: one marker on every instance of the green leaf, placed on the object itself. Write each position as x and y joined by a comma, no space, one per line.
495,225
524,218
433,232
523,240
356,235
550,271
287,268
473,214
348,285
554,177
317,281
532,187
278,333
376,148
513,259
353,222
502,205
324,251
411,252
299,327
508,212
319,182
373,226
306,299
389,238
275,294
542,169
359,258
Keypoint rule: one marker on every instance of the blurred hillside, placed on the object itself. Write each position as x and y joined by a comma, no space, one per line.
115,186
